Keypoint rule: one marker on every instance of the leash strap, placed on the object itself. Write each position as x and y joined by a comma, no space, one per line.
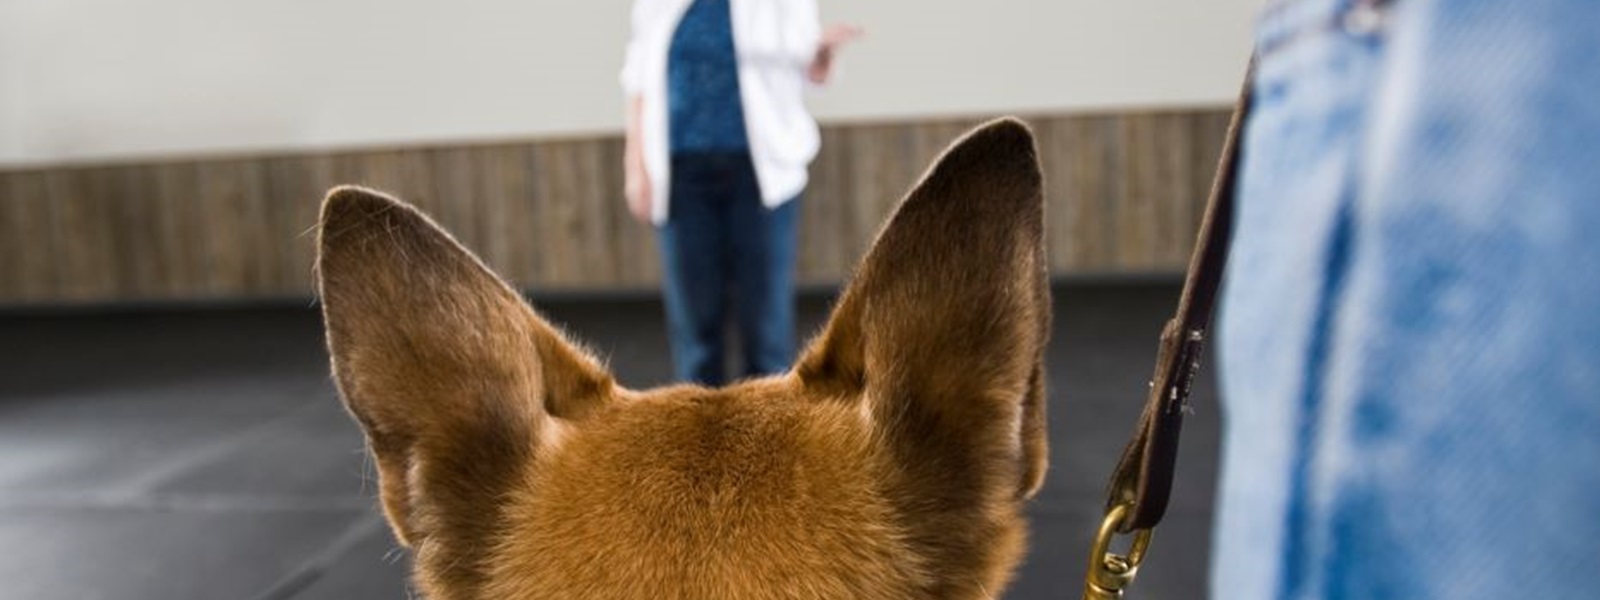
1142,482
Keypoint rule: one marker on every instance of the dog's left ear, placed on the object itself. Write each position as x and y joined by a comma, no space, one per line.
942,332
454,379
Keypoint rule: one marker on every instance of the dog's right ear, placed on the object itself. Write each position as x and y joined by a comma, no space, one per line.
454,379
941,333
939,340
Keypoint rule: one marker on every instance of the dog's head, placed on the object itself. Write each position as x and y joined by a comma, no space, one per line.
892,461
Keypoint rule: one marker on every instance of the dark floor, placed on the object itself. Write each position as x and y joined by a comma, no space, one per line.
202,454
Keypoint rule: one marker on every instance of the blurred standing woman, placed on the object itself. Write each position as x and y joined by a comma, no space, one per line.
718,145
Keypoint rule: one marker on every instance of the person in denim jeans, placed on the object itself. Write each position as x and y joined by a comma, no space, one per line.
1410,330
716,156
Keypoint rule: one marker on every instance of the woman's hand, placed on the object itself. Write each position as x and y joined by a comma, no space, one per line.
833,38
636,186
635,179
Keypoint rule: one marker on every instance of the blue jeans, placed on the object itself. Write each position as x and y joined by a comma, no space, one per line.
1410,331
721,241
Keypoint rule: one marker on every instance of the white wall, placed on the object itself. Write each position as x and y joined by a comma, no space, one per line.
88,80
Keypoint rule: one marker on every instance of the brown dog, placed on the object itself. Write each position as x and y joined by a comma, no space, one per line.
892,462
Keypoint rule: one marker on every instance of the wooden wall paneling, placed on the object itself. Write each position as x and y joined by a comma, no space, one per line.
822,215
1065,205
1113,197
1212,132
348,168
185,244
84,222
901,147
98,193
560,224
15,219
596,253
139,269
295,188
411,173
597,173
1157,183
571,190
919,147
369,169
1124,193
455,198
509,211
406,174
159,253
29,241
1089,157
1209,133
1137,226
488,201
881,178
1187,132
860,195
240,242
1174,190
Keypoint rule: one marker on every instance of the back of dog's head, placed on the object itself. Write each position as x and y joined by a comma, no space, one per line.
891,462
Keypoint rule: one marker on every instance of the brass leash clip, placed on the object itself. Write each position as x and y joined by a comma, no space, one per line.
1110,573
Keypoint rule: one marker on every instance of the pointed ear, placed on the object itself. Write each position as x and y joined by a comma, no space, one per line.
453,378
942,331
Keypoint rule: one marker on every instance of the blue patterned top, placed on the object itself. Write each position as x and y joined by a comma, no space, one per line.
703,82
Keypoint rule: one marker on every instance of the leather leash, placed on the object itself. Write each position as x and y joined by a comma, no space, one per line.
1142,483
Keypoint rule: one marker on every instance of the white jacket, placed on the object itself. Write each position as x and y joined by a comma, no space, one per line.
774,41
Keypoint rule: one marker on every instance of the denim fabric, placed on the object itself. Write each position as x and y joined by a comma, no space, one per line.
721,239
704,110
1410,330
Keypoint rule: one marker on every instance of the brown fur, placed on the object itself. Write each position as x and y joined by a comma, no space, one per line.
892,462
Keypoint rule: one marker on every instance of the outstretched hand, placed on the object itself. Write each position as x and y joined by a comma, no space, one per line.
833,38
